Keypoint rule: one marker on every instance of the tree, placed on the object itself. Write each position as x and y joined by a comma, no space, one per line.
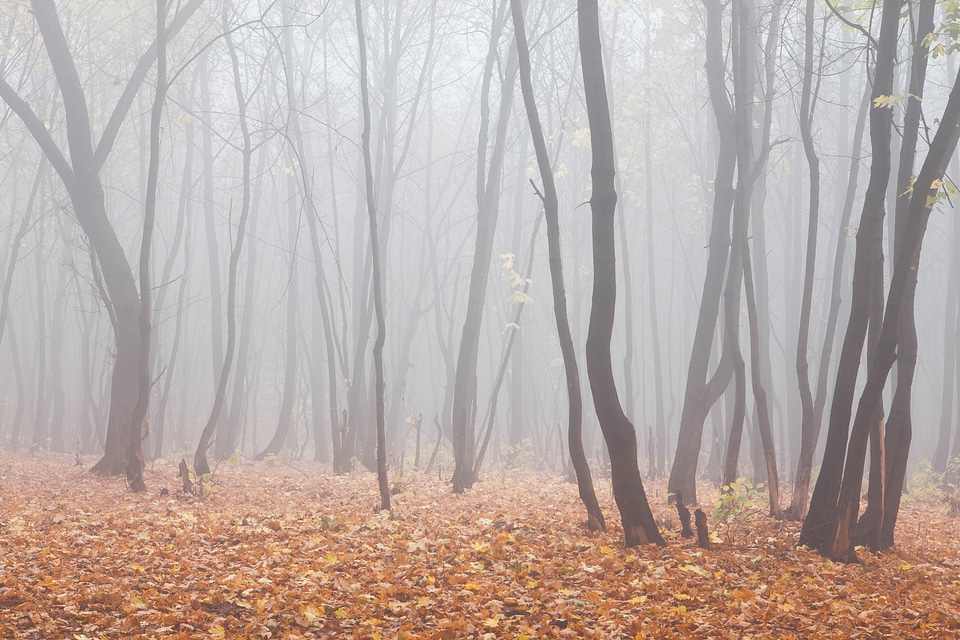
377,277
488,208
81,178
820,519
638,524
200,464
595,520
701,392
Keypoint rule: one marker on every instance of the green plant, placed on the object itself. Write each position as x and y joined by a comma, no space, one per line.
926,484
739,501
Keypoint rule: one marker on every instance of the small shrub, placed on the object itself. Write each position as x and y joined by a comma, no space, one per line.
739,501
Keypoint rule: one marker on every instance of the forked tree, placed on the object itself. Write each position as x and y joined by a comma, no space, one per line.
81,177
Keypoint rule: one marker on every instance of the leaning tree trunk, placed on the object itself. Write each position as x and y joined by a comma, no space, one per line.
595,520
808,425
200,464
801,486
377,278
821,517
81,177
875,527
902,288
638,523
701,392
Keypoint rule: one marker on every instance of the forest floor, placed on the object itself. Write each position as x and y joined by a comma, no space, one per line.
288,550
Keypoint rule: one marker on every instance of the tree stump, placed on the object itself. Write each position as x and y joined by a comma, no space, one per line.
684,515
185,477
703,536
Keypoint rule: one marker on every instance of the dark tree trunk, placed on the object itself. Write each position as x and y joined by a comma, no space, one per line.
875,527
578,458
900,296
822,515
808,422
638,524
801,487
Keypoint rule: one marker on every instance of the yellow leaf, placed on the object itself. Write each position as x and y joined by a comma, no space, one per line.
566,592
330,559
742,593
471,586
340,613
217,631
606,550
682,596
422,601
493,623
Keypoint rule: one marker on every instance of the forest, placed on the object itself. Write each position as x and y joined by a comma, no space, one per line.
496,318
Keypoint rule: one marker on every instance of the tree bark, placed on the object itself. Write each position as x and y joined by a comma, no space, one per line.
638,524
900,295
701,392
571,370
822,514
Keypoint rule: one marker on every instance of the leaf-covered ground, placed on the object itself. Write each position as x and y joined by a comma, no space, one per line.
291,551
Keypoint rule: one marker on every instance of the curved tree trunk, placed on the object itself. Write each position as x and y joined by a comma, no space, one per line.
200,464
822,515
595,520
701,392
902,288
638,524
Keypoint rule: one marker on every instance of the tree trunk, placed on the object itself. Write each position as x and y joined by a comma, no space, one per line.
377,278
488,206
822,514
902,288
700,393
884,490
638,524
578,458
200,464
134,453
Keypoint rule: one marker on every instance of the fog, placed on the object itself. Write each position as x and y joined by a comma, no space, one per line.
306,245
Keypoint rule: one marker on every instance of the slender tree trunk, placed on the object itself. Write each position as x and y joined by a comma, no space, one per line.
807,101
134,453
902,288
801,487
701,392
595,520
875,527
638,524
822,515
488,205
290,377
377,278
200,464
